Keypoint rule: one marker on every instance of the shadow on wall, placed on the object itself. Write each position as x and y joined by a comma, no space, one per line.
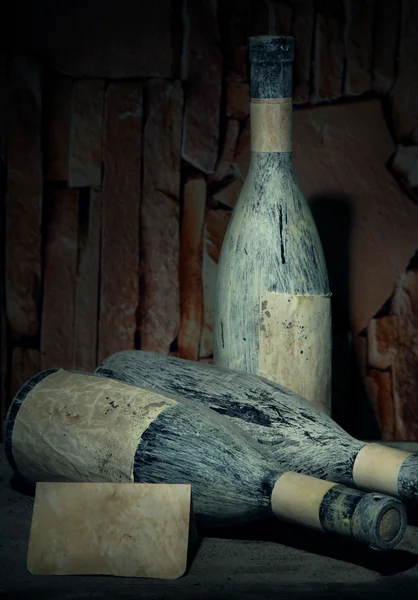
351,407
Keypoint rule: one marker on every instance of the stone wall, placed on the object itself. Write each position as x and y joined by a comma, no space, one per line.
125,142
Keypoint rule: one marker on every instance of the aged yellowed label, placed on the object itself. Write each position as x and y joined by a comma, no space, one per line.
377,468
271,124
297,498
295,345
122,529
76,427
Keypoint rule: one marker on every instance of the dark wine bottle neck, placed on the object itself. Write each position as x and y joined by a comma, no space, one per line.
271,59
275,162
271,80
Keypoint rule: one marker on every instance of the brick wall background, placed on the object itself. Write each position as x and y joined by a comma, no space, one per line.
124,135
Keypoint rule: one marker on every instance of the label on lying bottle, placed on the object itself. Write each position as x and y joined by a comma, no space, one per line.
77,427
377,468
297,497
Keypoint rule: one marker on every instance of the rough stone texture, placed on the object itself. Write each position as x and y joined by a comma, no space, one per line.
57,127
160,302
228,195
202,68
382,341
206,361
236,29
26,362
237,99
3,98
340,153
57,333
202,58
405,367
85,161
405,168
261,17
224,166
358,45
303,30
360,352
24,198
216,223
281,18
397,296
329,50
191,290
120,218
87,290
385,39
4,396
201,126
404,95
242,156
209,273
379,388
92,39
4,355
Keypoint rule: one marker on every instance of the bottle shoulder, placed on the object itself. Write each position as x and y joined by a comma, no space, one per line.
273,238
265,191
266,213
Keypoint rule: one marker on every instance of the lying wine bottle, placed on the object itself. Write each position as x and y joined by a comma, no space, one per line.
300,437
273,307
67,426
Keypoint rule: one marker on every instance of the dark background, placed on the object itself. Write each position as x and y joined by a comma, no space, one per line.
124,136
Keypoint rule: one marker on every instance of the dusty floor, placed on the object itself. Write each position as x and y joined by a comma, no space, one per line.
272,559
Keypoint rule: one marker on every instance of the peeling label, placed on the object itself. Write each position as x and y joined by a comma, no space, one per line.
295,345
76,427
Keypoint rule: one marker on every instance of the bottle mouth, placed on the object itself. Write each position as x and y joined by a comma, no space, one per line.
381,522
390,525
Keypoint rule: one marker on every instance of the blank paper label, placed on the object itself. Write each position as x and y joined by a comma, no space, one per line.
295,345
271,125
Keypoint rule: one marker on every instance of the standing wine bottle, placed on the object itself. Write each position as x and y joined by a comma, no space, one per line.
273,306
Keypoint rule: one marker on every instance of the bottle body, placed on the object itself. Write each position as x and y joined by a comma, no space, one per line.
137,435
273,307
298,436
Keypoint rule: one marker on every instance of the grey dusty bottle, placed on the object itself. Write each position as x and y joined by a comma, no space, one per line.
69,426
295,433
273,305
